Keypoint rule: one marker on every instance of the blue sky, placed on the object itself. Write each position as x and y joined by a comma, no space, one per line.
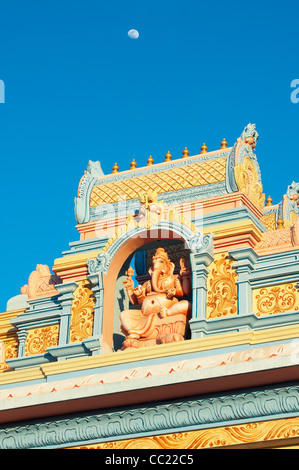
78,88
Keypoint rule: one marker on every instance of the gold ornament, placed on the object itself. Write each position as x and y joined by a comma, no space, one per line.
82,313
133,164
185,153
222,288
247,181
203,148
39,339
277,299
115,168
150,161
223,144
168,157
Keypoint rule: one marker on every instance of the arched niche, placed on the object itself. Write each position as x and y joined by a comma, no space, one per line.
140,261
118,258
107,271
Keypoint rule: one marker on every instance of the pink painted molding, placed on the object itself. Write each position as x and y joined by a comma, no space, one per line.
217,361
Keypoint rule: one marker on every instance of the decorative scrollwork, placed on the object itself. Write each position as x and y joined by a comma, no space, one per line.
82,313
222,288
39,339
248,182
277,299
262,432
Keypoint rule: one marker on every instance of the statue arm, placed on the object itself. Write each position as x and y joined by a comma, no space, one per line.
186,284
185,278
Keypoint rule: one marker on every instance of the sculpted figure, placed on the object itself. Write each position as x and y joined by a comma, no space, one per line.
250,135
159,303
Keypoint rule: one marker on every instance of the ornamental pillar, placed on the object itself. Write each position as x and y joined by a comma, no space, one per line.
245,260
66,299
201,256
96,268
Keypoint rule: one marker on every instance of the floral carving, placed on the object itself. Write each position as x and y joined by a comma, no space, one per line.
262,432
222,288
277,299
39,339
82,313
248,183
10,352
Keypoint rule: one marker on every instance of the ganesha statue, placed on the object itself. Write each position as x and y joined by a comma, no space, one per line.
161,318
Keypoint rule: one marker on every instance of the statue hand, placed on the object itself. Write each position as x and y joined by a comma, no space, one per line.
129,283
184,271
138,291
170,293
163,312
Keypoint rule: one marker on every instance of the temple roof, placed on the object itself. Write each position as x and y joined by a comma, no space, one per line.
182,174
186,179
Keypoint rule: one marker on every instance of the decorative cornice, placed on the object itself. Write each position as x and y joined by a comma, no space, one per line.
280,432
171,417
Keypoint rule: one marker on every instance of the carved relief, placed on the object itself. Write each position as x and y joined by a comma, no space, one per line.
277,299
261,432
247,181
162,317
222,288
10,352
82,313
290,205
41,283
39,339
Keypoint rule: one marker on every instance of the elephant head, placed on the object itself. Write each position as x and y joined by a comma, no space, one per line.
161,266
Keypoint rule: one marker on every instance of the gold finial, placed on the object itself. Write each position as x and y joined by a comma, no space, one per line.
280,223
269,201
133,164
223,144
115,168
185,153
203,148
150,161
168,157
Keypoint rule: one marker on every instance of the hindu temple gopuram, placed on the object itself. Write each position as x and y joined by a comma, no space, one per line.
171,323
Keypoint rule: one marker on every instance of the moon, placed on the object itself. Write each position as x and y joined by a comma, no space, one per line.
133,34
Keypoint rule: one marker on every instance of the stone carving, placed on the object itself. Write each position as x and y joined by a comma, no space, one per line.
277,299
262,432
250,135
289,207
100,264
82,313
41,283
39,339
238,408
162,318
222,288
2,352
248,182
93,172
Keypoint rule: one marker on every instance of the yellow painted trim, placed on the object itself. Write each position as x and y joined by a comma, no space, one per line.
74,261
164,350
234,228
23,375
